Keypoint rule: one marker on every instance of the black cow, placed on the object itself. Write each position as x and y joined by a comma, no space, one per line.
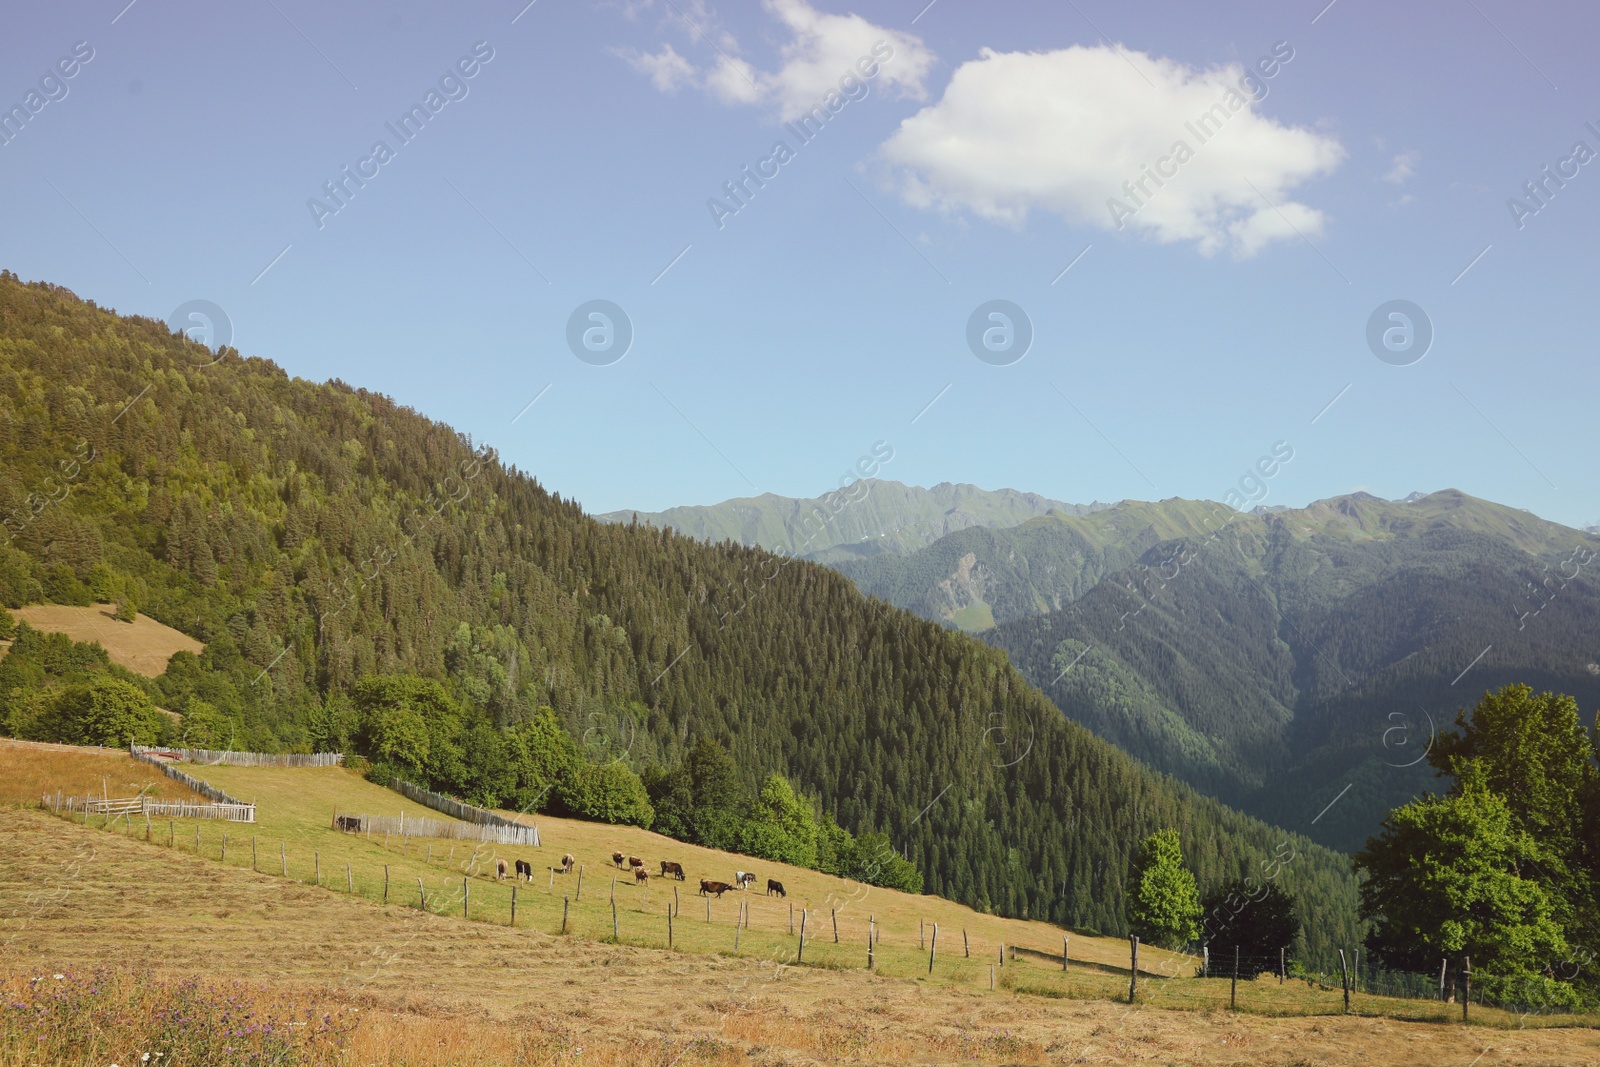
524,870
350,824
775,886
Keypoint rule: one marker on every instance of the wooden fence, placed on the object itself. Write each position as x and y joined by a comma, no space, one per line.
205,789
116,807
213,757
401,826
466,812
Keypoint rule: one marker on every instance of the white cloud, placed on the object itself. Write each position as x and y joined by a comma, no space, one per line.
1073,131
668,70
1403,167
819,50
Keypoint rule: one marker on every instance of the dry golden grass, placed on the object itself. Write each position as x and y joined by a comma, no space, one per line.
432,989
143,645
28,771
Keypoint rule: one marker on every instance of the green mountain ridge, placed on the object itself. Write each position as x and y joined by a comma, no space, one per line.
865,518
314,535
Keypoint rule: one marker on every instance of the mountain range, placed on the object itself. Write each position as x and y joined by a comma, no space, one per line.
1283,659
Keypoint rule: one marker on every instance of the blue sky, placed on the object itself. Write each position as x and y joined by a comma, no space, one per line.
770,352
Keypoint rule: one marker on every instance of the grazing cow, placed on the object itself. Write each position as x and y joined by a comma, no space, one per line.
775,886
566,863
524,870
635,861
674,869
350,824
617,858
641,875
743,879
708,886
500,869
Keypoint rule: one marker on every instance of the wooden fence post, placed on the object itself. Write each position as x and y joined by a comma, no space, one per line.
834,912
615,934
1444,963
1344,980
791,919
349,880
386,883
737,924
253,865
579,894
316,856
513,904
551,888
422,896
147,824
1233,990
172,834
1063,953
466,898
1466,985
708,907
564,903
1002,955
966,947
922,935
799,956
991,978
669,932
675,906
1283,971
1205,961
430,851
872,924
933,947
613,891
1133,968
197,840
283,854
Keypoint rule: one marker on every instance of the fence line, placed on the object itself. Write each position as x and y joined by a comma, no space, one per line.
465,812
213,757
416,826
119,806
205,789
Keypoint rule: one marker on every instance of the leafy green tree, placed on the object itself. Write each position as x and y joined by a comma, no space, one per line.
401,721
8,625
877,863
1163,902
608,792
204,726
718,794
671,792
544,757
1446,877
780,825
1257,918
103,711
127,610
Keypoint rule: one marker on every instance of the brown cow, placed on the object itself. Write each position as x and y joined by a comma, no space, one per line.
641,875
635,861
566,863
500,869
709,886
674,869
617,858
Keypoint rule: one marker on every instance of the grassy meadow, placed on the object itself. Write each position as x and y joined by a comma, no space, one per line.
98,904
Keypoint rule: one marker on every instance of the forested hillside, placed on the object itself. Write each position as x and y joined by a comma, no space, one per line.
1304,650
316,535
